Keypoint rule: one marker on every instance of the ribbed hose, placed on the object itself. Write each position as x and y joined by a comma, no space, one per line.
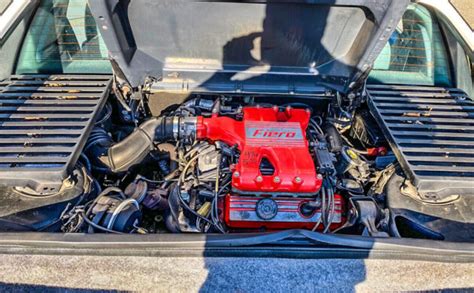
120,157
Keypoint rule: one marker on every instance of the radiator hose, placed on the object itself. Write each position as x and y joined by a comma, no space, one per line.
119,157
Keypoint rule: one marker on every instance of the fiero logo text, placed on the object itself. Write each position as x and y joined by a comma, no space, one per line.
264,133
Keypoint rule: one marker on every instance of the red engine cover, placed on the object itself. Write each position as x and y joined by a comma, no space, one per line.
279,136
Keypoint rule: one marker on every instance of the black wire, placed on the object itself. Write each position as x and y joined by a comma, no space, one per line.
91,205
183,202
188,208
97,226
214,208
85,160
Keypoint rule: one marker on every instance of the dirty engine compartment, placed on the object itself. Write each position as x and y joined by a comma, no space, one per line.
224,164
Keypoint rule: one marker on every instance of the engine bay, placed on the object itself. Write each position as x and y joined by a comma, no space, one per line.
229,164
158,162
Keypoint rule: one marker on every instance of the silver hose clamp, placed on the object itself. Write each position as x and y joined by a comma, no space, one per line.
176,127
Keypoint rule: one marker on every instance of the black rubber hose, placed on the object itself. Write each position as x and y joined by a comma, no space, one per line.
333,137
172,214
130,151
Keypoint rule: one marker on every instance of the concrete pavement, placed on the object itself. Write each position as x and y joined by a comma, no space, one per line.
191,274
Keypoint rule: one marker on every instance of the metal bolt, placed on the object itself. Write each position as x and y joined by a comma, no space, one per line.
236,174
259,179
297,179
276,179
319,177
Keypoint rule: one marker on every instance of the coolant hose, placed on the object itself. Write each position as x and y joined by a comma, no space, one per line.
130,151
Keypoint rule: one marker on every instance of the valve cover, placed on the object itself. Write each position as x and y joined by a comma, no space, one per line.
274,153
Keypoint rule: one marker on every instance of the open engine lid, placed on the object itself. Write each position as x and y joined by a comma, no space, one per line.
245,45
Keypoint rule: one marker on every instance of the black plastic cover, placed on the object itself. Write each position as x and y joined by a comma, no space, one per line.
20,211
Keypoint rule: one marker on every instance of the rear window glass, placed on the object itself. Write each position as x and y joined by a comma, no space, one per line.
415,53
63,38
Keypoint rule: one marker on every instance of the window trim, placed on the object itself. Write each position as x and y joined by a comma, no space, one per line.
449,48
455,46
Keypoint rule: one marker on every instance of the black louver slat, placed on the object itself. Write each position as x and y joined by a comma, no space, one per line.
431,131
45,121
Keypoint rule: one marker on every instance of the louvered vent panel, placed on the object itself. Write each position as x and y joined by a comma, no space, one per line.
45,121
431,130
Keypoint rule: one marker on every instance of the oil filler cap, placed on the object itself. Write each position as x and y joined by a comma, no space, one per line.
266,209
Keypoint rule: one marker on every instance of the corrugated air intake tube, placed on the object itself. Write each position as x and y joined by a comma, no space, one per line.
119,157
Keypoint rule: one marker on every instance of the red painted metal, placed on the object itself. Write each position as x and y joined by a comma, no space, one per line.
240,213
378,151
271,133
